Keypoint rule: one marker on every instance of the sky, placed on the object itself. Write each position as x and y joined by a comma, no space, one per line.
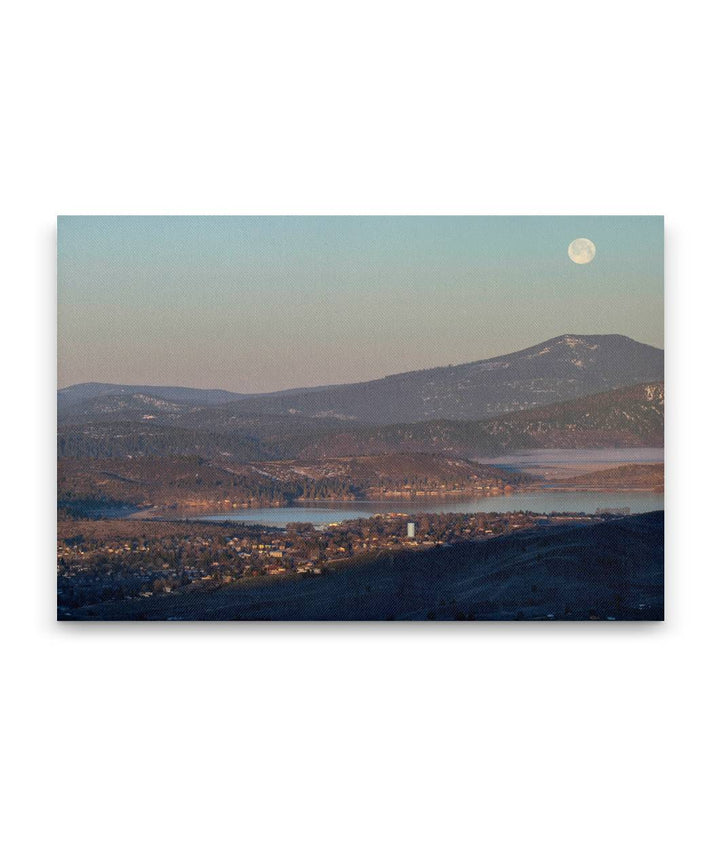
255,304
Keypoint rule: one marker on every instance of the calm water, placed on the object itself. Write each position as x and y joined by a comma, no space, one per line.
320,514
541,463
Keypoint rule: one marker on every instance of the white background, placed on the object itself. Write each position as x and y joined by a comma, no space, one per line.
358,739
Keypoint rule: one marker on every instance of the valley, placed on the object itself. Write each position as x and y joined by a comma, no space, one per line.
349,501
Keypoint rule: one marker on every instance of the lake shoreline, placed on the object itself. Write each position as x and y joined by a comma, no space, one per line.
183,512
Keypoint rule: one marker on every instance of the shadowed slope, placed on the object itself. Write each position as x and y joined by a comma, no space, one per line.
606,570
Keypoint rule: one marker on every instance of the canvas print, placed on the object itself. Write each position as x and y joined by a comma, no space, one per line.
360,419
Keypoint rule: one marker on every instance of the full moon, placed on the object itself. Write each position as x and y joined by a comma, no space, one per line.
581,251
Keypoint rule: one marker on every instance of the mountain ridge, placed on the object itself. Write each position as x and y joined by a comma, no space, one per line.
627,417
565,367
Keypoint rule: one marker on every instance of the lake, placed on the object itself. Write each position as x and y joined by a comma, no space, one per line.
541,463
541,501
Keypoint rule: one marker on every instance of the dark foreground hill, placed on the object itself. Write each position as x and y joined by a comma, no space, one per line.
609,570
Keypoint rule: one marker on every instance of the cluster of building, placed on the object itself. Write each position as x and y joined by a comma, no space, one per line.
155,561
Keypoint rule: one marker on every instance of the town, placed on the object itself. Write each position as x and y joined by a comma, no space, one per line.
124,559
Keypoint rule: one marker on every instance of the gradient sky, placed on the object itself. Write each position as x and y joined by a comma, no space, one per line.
254,304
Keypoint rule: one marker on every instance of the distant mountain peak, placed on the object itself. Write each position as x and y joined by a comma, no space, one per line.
584,340
568,366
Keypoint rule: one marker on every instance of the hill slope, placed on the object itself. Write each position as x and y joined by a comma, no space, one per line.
629,417
628,476
85,486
